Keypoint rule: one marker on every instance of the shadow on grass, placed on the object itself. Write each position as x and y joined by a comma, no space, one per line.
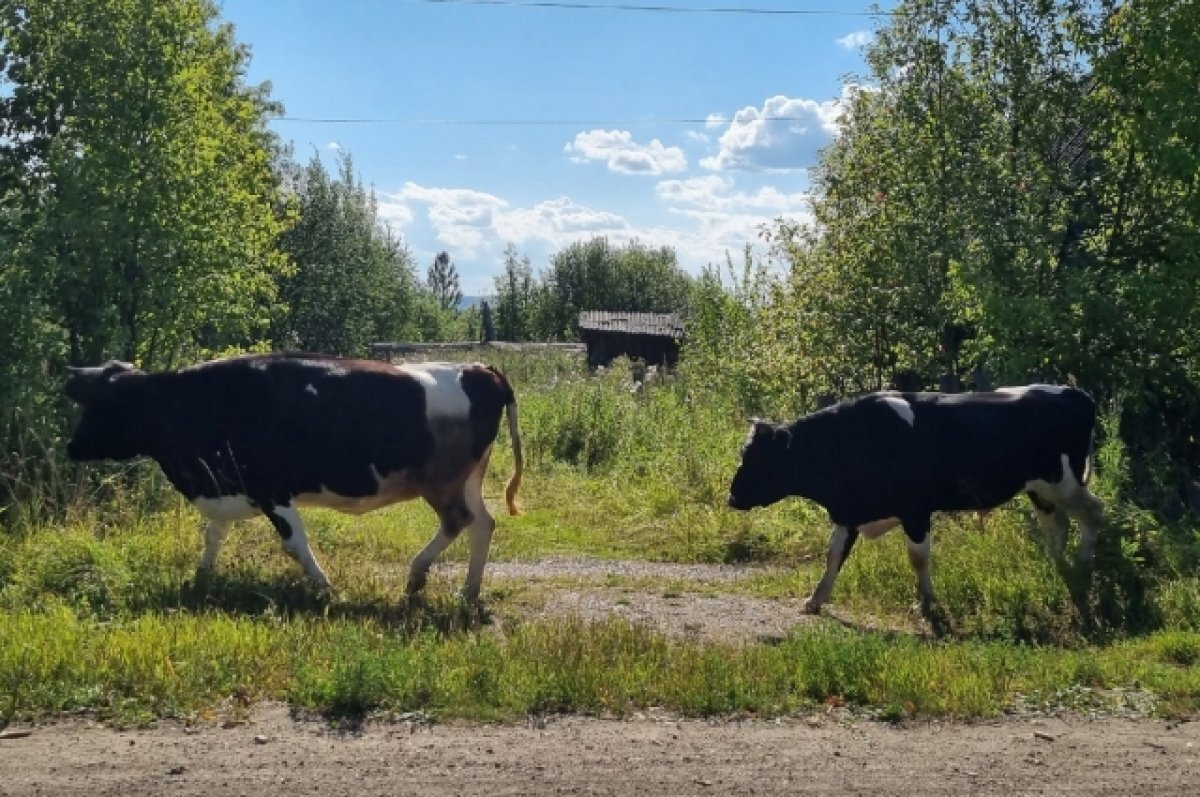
1113,597
249,595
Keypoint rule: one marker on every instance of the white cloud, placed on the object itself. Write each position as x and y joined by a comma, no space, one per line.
717,218
715,120
473,222
696,135
785,134
715,193
558,222
460,157
852,41
622,154
394,211
708,216
462,218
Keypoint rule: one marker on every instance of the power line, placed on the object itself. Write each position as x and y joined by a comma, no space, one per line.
551,4
525,122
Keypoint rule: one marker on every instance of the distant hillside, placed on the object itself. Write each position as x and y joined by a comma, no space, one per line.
472,301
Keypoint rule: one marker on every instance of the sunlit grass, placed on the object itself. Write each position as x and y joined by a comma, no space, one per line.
189,665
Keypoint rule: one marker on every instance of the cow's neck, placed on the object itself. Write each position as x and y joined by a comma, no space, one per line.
810,460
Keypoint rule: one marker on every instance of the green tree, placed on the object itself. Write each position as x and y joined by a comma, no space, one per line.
942,212
442,281
594,275
353,280
138,164
516,297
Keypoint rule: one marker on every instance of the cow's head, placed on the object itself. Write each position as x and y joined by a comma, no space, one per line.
113,424
763,477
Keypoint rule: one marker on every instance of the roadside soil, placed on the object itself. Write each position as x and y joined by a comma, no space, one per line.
274,754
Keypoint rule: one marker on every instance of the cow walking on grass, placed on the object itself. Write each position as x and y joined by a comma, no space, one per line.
893,459
265,434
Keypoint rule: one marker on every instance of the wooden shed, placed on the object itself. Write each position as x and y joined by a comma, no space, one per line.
653,338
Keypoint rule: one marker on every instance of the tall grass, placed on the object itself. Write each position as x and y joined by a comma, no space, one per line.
187,665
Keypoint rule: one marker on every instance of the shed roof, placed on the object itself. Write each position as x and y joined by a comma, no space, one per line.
667,325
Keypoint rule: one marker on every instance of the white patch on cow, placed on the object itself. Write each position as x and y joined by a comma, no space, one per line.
309,388
902,408
1058,492
296,545
877,528
1068,496
443,391
226,508
1020,390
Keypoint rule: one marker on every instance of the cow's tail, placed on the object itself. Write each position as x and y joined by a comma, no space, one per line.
514,433
1088,413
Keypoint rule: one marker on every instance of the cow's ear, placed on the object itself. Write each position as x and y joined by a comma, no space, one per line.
783,437
86,384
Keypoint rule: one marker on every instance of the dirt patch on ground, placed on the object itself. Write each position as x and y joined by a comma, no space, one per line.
693,606
724,618
274,754
597,570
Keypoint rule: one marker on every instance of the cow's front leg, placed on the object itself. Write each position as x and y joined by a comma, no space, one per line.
919,540
286,521
841,541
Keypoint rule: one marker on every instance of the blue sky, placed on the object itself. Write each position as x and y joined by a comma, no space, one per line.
542,126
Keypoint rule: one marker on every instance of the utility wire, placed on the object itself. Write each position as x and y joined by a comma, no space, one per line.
524,122
553,4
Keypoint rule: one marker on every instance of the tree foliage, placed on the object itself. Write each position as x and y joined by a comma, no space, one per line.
516,297
595,275
136,162
353,280
442,281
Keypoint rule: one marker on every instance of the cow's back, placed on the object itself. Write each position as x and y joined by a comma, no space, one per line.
888,453
273,426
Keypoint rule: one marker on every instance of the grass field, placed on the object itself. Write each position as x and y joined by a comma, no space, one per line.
99,611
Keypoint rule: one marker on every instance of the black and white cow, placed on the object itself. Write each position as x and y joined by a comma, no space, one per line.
268,433
893,459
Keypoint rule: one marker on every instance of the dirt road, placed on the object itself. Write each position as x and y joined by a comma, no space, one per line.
275,755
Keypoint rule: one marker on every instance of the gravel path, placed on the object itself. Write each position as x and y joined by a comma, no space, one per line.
274,755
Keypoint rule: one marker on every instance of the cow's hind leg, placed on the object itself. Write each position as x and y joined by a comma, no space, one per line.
480,531
1089,511
1053,520
453,515
841,542
286,521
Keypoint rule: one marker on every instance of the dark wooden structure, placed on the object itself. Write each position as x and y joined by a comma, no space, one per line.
653,338
420,351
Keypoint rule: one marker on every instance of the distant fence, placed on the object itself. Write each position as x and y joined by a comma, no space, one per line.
386,351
